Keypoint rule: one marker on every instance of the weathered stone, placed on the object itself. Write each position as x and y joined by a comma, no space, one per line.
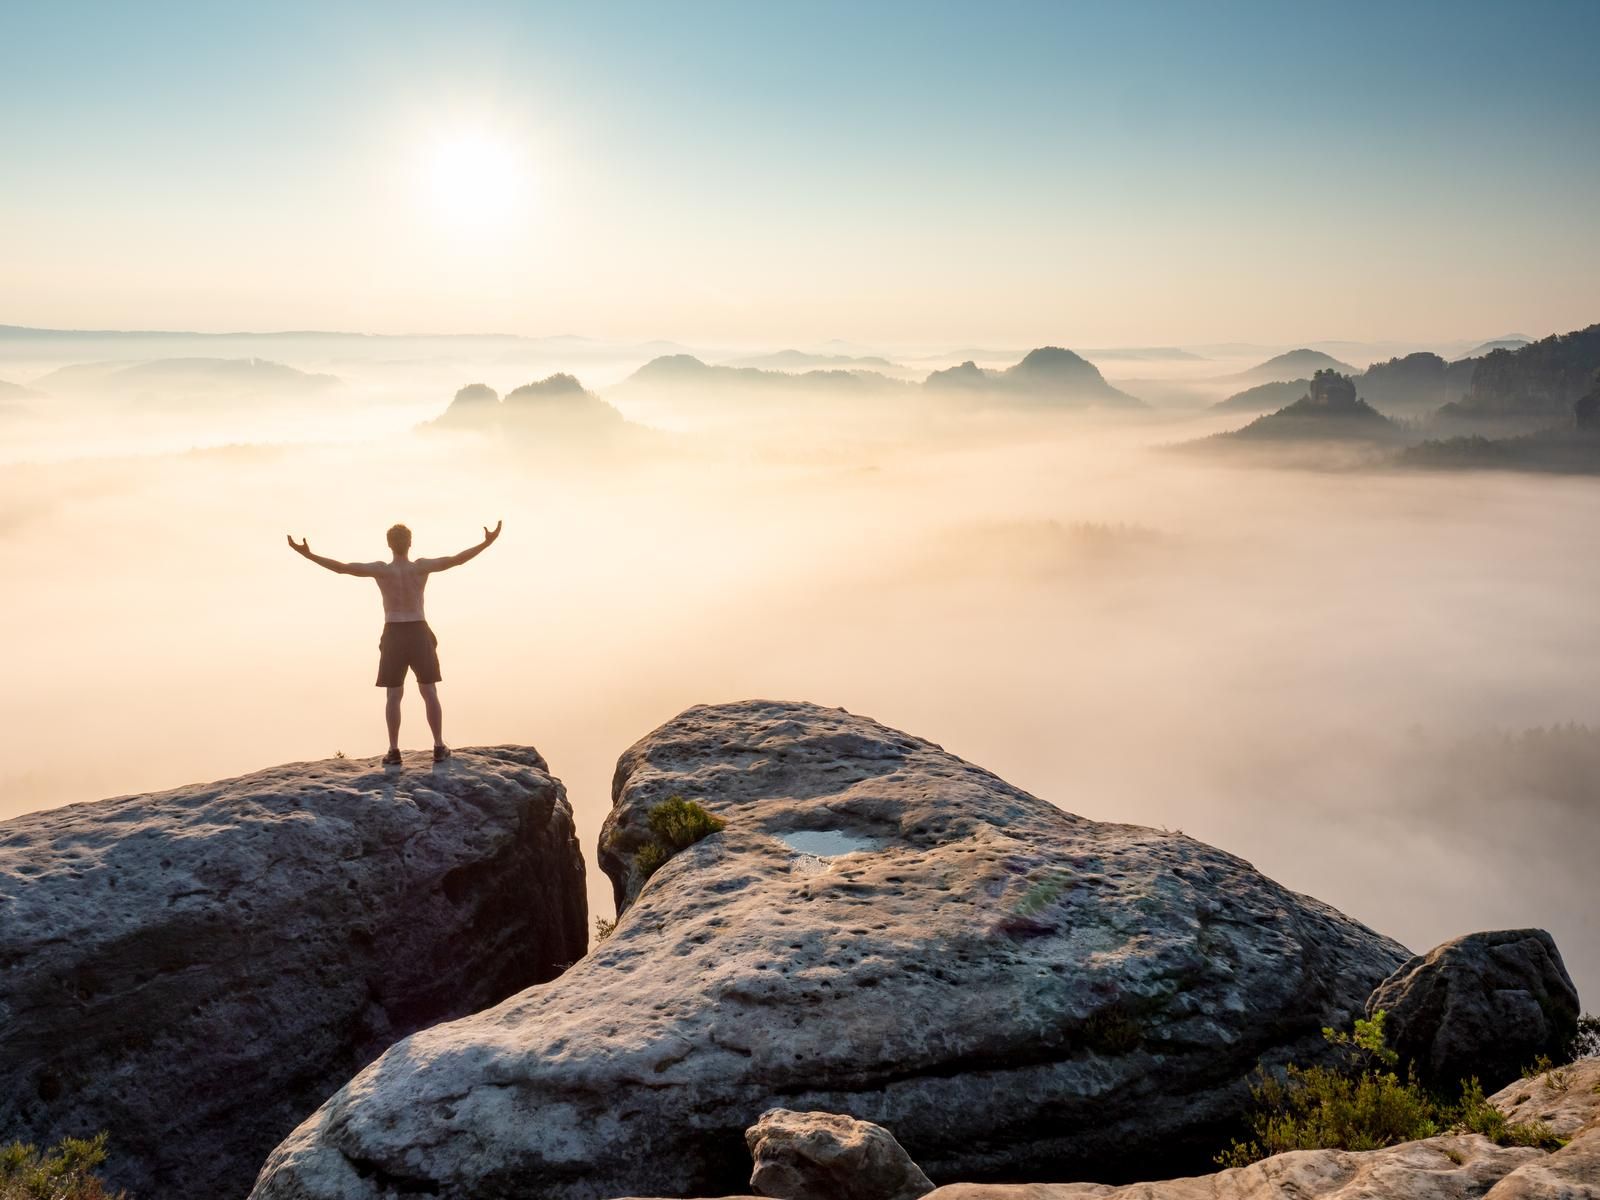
1571,1173
1453,1167
1462,1167
1485,1005
1566,1099
828,1156
881,929
194,971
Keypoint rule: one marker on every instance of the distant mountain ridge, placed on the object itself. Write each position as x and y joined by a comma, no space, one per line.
184,377
558,405
1048,374
1294,364
1329,411
20,341
681,371
1415,384
1264,397
1514,341
1539,382
1570,448
795,360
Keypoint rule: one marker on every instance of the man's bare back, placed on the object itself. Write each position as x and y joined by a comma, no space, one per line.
402,583
407,645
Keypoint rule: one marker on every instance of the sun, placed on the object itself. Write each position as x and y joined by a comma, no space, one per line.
475,181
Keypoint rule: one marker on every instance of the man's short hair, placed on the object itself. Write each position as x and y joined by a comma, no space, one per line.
399,538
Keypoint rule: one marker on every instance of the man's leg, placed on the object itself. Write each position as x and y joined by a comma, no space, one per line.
430,701
391,713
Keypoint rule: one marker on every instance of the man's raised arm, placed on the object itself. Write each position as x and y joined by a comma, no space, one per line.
303,549
455,560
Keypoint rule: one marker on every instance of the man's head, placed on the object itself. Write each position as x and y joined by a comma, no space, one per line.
399,539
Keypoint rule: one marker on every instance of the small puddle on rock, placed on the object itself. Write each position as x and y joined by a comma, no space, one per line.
826,843
814,847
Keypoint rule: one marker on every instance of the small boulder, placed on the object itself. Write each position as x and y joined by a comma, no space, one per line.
828,1156
1485,1005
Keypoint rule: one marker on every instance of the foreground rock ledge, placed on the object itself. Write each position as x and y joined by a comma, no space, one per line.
196,970
1452,1167
882,930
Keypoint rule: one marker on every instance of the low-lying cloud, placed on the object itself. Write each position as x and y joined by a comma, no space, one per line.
1331,674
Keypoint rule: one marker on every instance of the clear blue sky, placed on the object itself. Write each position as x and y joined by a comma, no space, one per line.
1131,173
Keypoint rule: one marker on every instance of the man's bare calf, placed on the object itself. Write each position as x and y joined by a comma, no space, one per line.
430,705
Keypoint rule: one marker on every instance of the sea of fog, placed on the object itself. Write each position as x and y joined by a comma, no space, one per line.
1378,687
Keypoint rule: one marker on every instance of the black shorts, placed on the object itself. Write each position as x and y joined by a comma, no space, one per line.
407,645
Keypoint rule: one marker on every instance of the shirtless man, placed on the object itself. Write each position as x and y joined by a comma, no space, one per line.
407,642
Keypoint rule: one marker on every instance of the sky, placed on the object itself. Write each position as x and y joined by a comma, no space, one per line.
886,173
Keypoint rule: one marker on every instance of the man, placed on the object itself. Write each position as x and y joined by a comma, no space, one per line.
407,642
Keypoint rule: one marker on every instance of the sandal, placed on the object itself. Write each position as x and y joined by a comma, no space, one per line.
440,753
392,759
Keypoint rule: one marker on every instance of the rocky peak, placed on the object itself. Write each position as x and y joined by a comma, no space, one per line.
1331,390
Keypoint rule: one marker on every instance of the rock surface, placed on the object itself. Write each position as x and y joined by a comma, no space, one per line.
1487,1004
1459,1167
1453,1167
1568,1101
826,1156
196,970
882,930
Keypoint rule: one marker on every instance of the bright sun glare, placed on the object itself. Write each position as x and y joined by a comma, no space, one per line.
475,181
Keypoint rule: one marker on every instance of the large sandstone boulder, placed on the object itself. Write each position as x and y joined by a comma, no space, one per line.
826,1156
194,971
1487,1004
881,930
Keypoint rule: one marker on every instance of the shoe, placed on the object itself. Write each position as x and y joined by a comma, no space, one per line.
440,753
392,759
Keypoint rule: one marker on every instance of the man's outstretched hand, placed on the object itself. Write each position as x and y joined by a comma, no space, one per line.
489,535
303,548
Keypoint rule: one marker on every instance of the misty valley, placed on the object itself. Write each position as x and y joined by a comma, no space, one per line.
1334,618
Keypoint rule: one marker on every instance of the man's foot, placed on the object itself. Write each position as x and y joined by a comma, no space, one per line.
440,753
392,759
